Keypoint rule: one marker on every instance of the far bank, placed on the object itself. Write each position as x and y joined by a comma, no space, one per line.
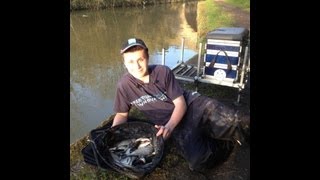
211,13
103,4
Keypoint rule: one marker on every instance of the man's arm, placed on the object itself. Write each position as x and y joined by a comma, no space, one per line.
176,117
120,118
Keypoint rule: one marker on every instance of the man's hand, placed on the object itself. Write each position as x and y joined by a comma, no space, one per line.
176,116
164,131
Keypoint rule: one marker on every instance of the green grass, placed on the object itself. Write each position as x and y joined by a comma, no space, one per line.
244,4
211,17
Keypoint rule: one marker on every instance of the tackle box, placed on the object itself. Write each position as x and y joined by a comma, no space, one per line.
224,55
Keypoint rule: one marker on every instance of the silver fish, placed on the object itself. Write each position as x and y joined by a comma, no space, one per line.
140,151
122,145
141,147
132,152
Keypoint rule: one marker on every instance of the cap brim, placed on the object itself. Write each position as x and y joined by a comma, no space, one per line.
131,45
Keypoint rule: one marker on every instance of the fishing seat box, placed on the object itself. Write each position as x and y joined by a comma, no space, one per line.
224,53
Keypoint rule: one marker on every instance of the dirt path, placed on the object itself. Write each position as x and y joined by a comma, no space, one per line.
242,18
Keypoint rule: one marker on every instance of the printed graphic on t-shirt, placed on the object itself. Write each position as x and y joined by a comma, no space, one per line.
141,101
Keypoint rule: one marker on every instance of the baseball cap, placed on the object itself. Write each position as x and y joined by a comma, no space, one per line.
132,42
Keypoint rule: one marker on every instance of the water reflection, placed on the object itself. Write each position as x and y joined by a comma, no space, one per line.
172,56
95,62
190,12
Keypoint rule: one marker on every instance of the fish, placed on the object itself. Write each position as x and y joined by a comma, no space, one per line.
122,145
133,152
142,147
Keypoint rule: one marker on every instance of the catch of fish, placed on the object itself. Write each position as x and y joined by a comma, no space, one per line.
133,152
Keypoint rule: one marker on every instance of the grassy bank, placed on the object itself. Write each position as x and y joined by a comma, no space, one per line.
244,4
211,16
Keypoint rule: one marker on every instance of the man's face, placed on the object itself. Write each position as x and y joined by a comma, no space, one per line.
136,63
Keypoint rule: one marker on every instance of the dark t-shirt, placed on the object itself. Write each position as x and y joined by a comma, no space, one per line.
155,98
